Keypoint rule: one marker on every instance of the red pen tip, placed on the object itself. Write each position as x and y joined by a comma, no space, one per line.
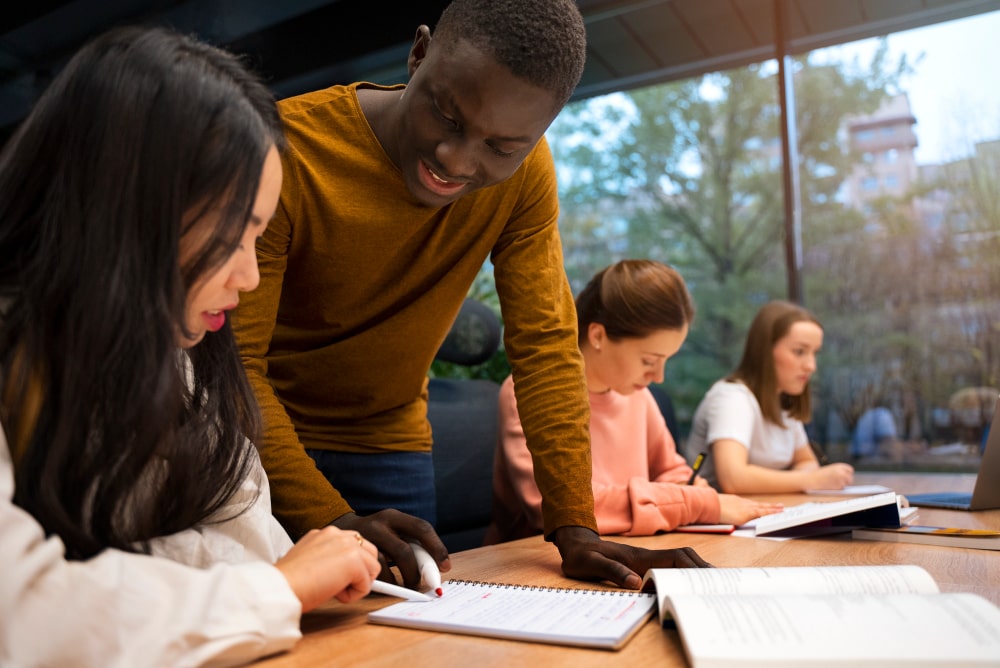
438,591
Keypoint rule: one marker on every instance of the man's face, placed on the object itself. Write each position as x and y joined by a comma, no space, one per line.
466,123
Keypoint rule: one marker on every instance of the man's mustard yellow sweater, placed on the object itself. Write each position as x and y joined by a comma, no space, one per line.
359,285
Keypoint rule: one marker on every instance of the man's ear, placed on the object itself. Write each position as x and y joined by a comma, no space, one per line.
421,42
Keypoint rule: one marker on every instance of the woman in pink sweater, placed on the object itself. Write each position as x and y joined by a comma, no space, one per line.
632,316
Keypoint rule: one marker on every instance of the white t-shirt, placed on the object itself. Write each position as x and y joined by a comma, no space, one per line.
729,410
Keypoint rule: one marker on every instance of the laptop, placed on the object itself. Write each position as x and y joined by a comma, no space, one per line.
986,494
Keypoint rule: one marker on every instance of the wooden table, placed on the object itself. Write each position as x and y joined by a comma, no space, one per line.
339,635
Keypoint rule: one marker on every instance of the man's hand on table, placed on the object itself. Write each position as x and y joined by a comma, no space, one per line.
586,557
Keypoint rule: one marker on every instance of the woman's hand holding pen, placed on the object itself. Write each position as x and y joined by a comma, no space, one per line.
329,563
699,461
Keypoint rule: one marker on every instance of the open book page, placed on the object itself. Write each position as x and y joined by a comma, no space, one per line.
824,630
590,618
670,582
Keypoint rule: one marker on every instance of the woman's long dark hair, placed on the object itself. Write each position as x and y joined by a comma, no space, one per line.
141,136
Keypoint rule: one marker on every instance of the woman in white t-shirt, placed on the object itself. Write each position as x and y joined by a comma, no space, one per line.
750,424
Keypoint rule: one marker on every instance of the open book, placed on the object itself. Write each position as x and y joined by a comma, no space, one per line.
876,510
826,616
584,617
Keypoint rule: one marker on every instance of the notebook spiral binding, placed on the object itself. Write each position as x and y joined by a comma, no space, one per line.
567,590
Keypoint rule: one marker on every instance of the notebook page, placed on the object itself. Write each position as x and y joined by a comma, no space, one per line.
585,617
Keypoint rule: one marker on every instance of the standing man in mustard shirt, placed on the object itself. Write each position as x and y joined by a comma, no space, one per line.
393,198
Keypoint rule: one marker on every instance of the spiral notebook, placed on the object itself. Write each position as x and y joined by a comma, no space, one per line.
604,619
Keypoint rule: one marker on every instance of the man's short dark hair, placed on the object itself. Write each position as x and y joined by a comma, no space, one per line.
543,42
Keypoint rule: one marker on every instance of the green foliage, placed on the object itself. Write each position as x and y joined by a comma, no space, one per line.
689,173
497,368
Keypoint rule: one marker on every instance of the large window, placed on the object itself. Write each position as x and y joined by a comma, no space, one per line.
899,142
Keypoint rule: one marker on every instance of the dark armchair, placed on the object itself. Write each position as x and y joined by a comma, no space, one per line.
463,418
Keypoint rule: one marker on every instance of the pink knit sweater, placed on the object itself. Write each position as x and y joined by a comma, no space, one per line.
639,479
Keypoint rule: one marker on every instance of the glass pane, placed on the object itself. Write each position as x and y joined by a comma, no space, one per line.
904,273
688,173
898,142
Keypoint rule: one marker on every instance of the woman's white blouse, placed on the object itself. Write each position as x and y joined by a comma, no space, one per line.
207,596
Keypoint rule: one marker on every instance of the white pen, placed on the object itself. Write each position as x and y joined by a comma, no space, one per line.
428,568
382,587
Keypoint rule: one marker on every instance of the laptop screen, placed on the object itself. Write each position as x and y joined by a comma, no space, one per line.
986,494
